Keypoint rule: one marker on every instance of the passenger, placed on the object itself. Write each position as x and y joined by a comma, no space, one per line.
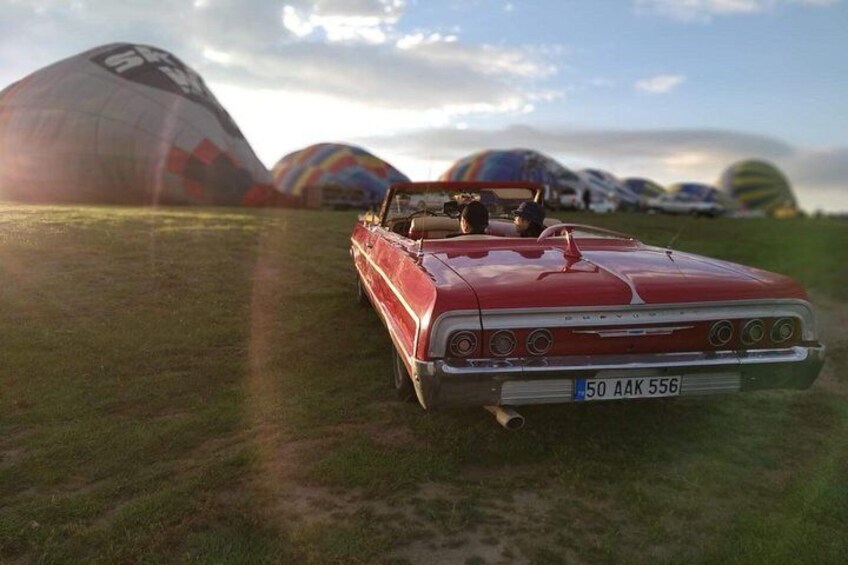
473,220
529,219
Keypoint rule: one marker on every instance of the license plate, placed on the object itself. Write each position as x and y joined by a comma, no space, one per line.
627,387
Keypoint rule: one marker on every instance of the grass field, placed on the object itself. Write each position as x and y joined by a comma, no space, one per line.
200,386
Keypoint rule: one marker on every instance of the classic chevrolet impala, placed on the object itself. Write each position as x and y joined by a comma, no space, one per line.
578,314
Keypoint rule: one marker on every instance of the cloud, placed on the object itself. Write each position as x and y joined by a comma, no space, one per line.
348,49
358,20
594,144
705,10
660,84
824,168
667,156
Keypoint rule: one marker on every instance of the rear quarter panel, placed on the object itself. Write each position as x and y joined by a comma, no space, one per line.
409,289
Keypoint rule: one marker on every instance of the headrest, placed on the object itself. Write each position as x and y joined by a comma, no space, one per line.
434,223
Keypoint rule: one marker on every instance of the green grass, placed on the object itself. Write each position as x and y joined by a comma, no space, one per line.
199,385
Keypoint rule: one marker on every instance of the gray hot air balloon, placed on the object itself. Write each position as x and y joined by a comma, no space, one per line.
128,124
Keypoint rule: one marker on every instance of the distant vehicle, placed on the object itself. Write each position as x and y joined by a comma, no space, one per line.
563,198
567,198
681,203
602,205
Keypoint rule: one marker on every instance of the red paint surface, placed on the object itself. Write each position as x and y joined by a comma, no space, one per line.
455,274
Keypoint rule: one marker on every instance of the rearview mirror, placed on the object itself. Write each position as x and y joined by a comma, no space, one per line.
451,209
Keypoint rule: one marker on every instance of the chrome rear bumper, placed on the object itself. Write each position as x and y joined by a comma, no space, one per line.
519,381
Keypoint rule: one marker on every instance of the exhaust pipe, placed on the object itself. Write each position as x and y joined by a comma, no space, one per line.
507,417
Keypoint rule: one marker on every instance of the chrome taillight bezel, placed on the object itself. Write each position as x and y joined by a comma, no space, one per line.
774,334
721,332
750,327
456,339
532,339
498,334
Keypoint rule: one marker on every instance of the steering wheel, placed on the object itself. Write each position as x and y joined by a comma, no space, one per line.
424,212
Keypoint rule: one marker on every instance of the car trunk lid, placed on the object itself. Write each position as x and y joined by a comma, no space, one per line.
541,276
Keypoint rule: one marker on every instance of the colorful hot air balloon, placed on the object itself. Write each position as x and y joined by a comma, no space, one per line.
519,165
759,186
123,123
644,188
334,174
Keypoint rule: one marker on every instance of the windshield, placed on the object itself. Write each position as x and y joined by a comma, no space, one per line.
500,202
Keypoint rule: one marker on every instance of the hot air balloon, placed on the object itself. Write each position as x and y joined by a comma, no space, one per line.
333,174
562,187
606,187
759,187
643,188
128,124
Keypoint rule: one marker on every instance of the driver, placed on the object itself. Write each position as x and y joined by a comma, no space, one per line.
529,219
473,220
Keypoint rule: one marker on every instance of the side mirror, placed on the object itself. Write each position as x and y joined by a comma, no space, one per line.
451,209
369,217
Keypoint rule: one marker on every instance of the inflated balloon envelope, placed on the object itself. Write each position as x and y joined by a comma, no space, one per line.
128,124
344,175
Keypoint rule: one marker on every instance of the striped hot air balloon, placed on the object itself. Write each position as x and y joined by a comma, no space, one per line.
527,165
336,175
644,188
759,186
123,123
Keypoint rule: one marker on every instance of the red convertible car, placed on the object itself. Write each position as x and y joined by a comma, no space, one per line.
578,314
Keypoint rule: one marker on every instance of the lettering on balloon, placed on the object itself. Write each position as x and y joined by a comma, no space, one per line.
161,70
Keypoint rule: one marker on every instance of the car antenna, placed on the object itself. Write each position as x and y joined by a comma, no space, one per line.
683,227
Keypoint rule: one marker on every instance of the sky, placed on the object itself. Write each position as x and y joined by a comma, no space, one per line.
672,90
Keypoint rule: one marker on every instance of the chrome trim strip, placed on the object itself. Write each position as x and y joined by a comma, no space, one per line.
410,356
556,317
547,391
711,383
384,318
604,365
635,332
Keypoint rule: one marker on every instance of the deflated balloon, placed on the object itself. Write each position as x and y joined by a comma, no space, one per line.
123,123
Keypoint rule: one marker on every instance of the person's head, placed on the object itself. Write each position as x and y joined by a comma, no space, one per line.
529,215
474,218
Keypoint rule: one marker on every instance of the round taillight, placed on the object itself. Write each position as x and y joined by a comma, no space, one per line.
463,344
721,333
783,330
502,343
753,332
539,342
